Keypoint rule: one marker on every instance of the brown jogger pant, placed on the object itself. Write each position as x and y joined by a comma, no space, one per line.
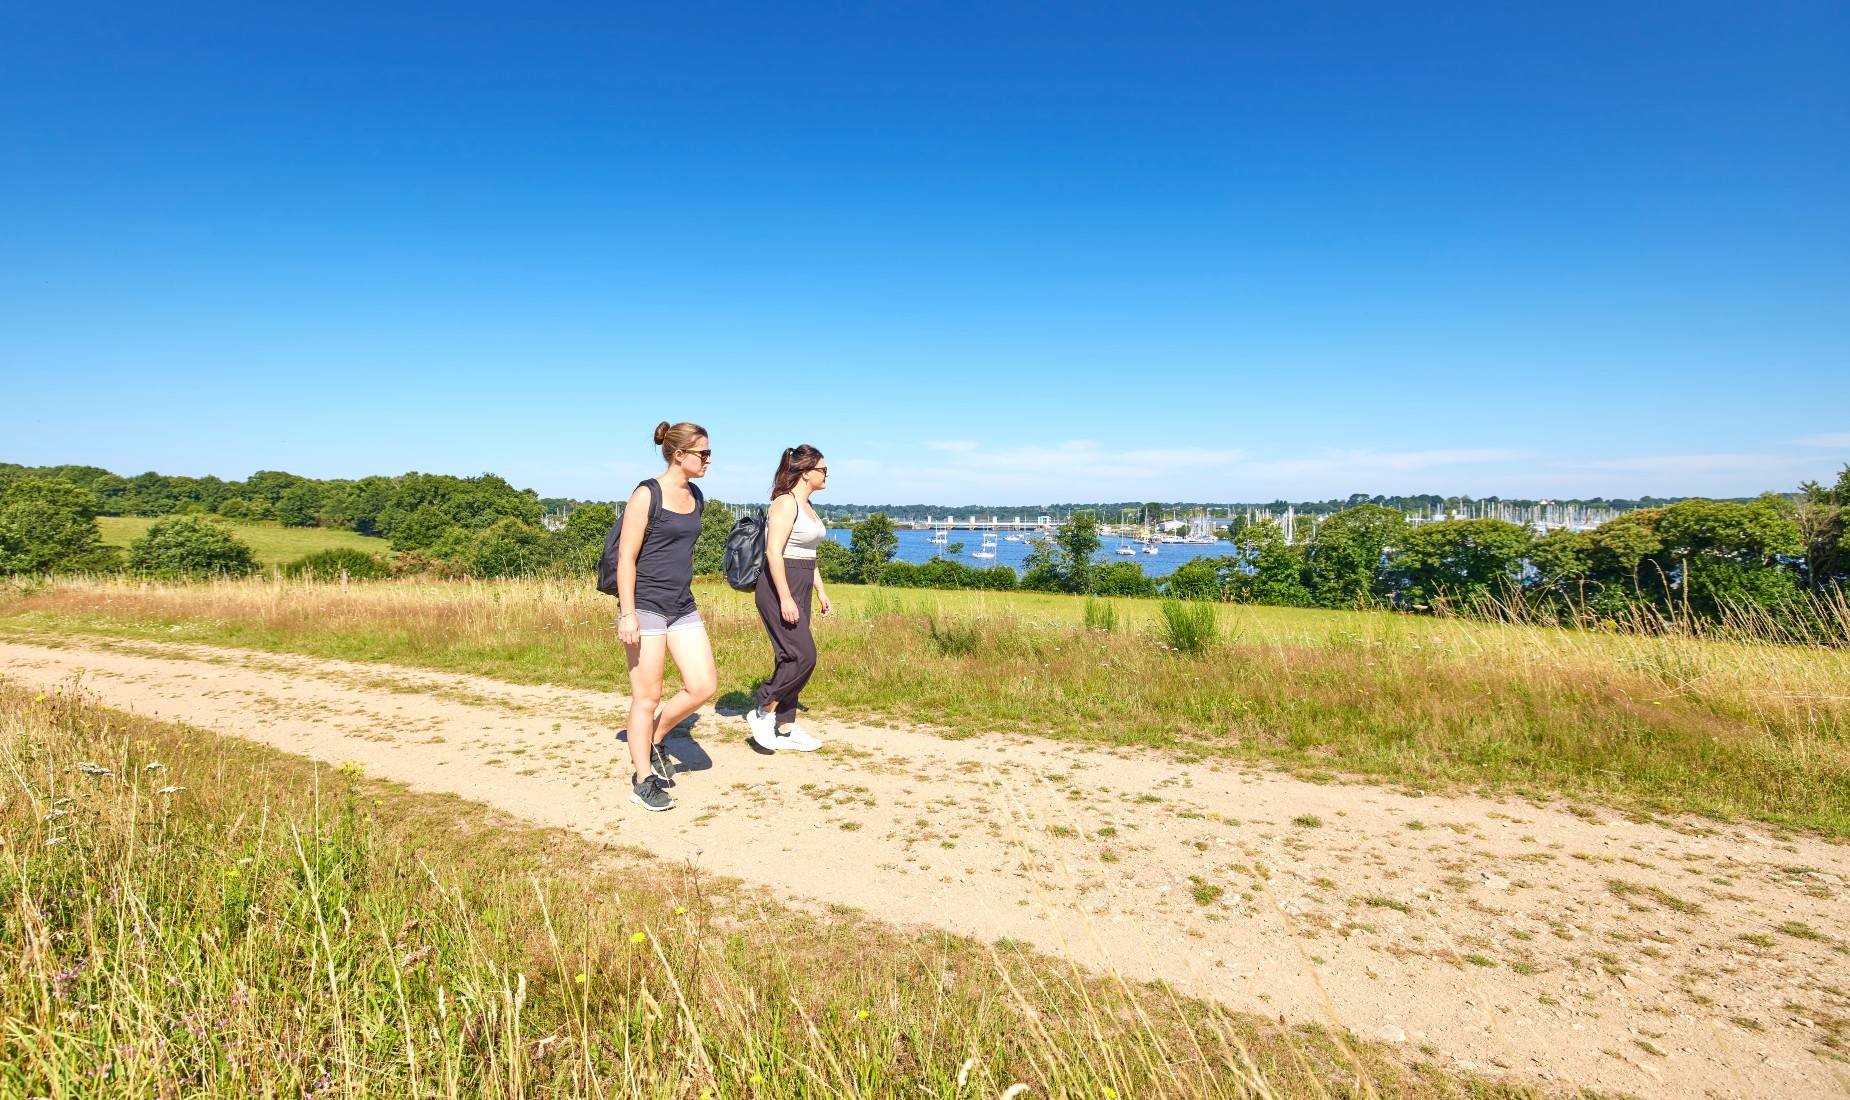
792,645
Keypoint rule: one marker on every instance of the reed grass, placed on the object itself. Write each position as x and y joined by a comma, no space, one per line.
192,915
1742,726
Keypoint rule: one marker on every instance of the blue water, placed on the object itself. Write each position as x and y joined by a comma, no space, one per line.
914,546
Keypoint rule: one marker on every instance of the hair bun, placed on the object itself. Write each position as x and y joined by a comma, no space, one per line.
661,432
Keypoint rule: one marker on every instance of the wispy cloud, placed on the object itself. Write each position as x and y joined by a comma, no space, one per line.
1833,440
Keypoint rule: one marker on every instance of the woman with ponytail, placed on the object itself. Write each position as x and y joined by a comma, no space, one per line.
656,616
792,533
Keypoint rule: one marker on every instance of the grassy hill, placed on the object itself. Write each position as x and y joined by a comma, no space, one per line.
273,544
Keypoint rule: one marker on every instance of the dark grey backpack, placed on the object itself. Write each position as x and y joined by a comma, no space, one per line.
745,552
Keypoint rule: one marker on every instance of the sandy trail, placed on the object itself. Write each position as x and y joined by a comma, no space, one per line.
1492,935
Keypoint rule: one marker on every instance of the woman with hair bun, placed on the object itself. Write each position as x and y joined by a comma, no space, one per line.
656,616
793,530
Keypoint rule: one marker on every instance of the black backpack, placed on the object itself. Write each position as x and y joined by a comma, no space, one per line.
607,561
745,552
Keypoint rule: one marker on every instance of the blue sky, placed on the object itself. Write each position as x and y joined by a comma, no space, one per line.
1003,253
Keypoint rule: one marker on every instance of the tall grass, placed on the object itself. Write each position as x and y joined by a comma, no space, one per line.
1189,626
1739,726
186,915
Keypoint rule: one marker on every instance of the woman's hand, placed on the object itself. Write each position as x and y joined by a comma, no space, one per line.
788,607
629,629
822,600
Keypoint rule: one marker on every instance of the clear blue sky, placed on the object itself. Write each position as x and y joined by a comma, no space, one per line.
1001,252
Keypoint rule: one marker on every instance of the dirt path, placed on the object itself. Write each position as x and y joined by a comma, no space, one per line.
1484,934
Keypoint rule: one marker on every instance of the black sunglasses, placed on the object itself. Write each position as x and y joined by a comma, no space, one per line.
704,456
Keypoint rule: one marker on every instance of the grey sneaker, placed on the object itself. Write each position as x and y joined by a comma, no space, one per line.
661,765
650,796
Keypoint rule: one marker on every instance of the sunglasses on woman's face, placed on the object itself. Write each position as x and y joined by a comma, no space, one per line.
704,456
823,470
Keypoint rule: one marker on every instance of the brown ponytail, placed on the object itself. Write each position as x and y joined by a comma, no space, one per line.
676,437
796,462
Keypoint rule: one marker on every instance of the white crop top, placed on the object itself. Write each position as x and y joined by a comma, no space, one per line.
805,535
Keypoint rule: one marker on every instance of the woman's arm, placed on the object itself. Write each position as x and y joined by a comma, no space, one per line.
822,594
629,544
776,534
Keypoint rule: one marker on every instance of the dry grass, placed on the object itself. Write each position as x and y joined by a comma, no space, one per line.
191,915
1659,723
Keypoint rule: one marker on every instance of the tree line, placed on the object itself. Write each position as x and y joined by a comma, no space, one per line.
1692,559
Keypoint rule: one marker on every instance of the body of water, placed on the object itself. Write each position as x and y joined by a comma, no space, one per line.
915,546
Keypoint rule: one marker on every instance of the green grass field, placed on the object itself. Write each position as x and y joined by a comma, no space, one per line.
193,915
1651,724
274,545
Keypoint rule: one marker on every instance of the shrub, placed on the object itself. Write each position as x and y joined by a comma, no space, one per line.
328,565
48,525
1189,627
191,546
1121,578
710,547
1198,579
834,562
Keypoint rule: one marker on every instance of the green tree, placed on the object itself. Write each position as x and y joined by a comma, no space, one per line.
422,529
871,546
1266,569
1346,557
1459,561
509,548
1065,561
954,548
191,546
576,546
48,525
835,562
1731,555
1823,518
297,505
710,548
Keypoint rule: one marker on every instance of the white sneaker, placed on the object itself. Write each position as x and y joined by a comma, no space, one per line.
763,726
798,738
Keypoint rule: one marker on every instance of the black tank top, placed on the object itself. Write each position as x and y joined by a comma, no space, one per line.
665,564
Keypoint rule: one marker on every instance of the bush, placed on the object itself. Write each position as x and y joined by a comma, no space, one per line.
834,562
710,548
1189,627
328,565
191,546
939,573
1198,579
1121,578
48,525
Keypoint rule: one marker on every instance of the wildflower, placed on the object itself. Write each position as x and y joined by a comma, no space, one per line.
637,937
54,840
580,979
170,790
963,1072
231,873
755,1079
1014,1090
861,1015
680,909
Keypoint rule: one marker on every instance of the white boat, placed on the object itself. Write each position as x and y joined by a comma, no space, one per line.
1123,549
988,549
1150,548
1011,538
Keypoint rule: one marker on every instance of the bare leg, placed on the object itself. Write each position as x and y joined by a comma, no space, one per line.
693,656
646,660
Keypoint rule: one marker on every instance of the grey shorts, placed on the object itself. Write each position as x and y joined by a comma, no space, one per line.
652,623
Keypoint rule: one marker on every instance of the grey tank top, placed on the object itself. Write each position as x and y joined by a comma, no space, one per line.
665,564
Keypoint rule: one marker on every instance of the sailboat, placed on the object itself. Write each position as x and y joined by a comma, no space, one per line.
939,538
988,549
1123,549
